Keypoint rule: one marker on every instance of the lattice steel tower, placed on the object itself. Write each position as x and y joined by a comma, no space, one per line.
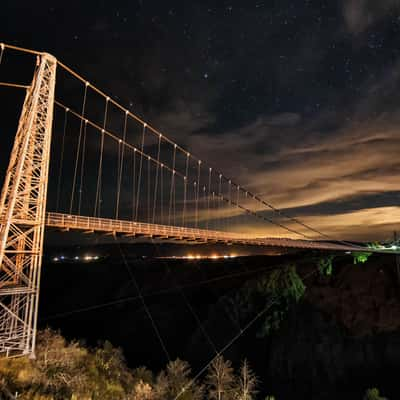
22,214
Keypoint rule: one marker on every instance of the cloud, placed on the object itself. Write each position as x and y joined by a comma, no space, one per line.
367,223
360,14
296,162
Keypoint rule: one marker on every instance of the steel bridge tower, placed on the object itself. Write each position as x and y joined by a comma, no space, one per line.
22,214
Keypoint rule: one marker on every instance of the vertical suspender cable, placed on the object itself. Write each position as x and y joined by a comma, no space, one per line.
2,47
237,201
97,205
148,188
185,180
213,208
156,182
204,200
197,193
208,196
120,145
195,201
219,201
82,167
78,150
228,219
134,184
174,202
121,166
140,172
162,192
172,185
61,159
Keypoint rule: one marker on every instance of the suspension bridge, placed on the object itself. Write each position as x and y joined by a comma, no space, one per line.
83,162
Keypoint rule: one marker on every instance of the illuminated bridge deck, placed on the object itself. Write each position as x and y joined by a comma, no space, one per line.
175,233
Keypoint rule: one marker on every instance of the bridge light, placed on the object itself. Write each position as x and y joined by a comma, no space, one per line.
120,140
220,176
135,149
210,169
175,145
126,112
87,83
148,157
199,161
144,125
108,99
102,131
86,121
67,109
2,46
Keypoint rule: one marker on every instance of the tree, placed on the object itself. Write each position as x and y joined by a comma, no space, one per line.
247,383
220,379
373,394
143,391
60,365
175,383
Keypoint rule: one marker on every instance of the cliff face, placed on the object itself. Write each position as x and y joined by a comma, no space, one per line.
315,356
363,298
341,339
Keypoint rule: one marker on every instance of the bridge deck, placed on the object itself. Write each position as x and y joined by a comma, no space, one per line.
176,233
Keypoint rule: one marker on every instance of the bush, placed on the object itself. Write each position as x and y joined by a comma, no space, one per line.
373,394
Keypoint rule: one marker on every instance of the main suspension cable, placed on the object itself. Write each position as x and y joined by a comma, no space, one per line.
177,173
153,130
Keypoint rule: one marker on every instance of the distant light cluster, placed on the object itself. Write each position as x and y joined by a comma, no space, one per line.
85,258
213,256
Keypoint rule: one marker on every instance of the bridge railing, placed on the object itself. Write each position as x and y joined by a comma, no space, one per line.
67,221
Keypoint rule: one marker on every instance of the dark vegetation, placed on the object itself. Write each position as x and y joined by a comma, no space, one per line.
67,370
311,325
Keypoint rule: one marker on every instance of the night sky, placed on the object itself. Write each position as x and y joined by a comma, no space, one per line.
297,99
